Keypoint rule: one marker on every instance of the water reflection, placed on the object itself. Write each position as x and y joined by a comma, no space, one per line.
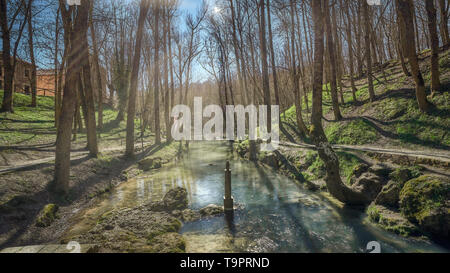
278,215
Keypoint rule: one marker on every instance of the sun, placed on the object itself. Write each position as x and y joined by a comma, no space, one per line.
216,10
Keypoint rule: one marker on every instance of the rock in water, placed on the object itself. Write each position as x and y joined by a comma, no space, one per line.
150,163
176,199
426,201
189,215
211,210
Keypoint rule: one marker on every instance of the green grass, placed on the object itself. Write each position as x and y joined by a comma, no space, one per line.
28,125
397,116
356,132
410,125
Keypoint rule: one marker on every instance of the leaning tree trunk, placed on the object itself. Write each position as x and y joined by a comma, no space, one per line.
405,9
434,42
333,179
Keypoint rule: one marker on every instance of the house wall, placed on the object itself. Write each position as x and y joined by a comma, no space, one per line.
22,76
45,80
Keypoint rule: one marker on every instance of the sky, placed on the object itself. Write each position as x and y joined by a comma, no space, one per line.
191,6
186,6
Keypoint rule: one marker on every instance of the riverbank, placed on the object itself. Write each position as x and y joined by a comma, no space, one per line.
32,214
407,199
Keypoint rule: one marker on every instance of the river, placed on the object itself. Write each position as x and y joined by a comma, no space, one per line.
277,215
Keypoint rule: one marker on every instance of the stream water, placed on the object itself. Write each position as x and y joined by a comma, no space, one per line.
278,214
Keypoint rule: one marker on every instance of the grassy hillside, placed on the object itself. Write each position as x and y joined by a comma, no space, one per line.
394,119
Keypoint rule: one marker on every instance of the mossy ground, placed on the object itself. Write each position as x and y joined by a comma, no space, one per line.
391,221
47,215
314,168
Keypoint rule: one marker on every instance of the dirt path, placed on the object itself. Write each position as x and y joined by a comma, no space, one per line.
439,156
74,155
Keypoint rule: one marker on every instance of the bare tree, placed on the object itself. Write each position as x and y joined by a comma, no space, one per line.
405,9
333,179
74,30
143,10
10,65
365,10
434,42
333,64
33,60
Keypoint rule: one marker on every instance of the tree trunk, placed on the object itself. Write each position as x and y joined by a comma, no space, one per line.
444,22
405,9
295,79
95,59
58,79
166,76
156,78
333,179
7,103
91,128
333,63
172,78
237,55
365,8
265,69
74,35
143,10
33,61
350,50
434,42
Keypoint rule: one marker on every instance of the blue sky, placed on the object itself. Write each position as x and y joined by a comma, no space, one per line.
190,5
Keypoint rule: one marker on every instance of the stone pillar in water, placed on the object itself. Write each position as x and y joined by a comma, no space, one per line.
228,199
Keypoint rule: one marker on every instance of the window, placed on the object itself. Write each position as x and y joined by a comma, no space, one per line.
27,73
27,89
1,71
